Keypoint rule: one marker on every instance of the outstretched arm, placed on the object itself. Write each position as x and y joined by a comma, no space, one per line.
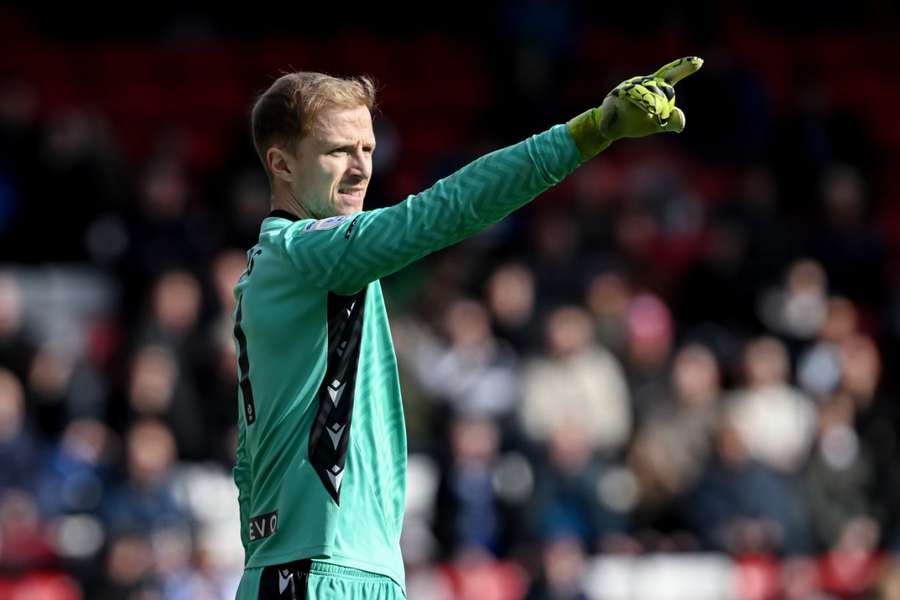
343,254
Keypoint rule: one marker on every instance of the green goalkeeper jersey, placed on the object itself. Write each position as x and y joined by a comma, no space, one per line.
321,457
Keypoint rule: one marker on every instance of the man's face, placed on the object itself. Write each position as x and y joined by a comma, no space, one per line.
333,164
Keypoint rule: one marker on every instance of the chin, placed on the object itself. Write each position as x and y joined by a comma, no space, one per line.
351,209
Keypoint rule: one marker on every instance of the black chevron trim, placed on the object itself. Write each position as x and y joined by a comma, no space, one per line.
330,434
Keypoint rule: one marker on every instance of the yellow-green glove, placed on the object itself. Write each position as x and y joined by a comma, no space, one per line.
637,107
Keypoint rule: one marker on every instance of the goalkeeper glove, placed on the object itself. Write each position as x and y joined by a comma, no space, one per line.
637,107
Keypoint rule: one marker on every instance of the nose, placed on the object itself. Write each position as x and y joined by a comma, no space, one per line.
361,164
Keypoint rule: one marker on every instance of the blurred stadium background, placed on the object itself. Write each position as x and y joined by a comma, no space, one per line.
668,378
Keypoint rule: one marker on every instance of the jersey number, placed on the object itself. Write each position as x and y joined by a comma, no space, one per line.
243,359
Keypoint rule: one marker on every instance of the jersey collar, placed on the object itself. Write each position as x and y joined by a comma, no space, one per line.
283,214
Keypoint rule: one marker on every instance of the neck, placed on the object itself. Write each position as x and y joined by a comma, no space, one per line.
284,199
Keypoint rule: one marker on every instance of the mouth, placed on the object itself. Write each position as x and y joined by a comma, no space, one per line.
353,194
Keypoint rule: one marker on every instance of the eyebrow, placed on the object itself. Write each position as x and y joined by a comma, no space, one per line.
341,144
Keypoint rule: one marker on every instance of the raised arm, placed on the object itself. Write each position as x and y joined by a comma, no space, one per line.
343,254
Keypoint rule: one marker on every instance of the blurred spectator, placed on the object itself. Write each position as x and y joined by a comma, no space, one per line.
662,220
673,447
175,309
889,583
877,419
49,384
649,334
562,570
144,500
160,387
578,384
577,493
76,474
846,240
226,270
840,476
163,233
468,514
841,321
820,368
798,308
181,572
475,373
557,270
128,572
853,564
16,350
20,450
742,506
25,537
217,394
776,422
215,366
608,298
248,206
72,486
510,294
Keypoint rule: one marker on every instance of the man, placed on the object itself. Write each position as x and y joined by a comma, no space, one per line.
321,459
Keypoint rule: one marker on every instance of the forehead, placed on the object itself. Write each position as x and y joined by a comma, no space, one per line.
344,125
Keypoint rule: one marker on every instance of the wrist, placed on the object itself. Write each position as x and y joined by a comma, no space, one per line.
585,131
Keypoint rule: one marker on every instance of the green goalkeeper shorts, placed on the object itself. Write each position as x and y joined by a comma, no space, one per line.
314,580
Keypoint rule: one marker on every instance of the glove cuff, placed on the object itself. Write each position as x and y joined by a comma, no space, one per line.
585,130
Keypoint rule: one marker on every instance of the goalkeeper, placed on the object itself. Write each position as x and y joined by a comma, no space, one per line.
321,457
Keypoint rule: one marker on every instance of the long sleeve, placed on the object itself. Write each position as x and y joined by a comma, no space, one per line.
342,254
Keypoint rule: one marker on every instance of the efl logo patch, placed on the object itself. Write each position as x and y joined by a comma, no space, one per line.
325,224
263,525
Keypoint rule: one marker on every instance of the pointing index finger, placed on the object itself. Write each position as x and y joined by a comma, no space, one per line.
677,70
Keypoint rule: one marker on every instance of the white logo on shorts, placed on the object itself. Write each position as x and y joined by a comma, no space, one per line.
284,578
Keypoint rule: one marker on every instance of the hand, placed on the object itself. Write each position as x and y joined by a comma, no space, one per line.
637,107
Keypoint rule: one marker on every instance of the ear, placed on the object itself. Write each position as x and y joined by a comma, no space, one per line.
279,164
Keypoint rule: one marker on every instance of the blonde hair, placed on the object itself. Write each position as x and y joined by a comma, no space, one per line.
285,112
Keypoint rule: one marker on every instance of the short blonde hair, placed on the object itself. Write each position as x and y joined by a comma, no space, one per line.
285,112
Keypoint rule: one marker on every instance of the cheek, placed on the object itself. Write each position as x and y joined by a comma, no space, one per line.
317,180
331,172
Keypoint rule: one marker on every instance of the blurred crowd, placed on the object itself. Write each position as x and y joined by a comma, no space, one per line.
683,350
